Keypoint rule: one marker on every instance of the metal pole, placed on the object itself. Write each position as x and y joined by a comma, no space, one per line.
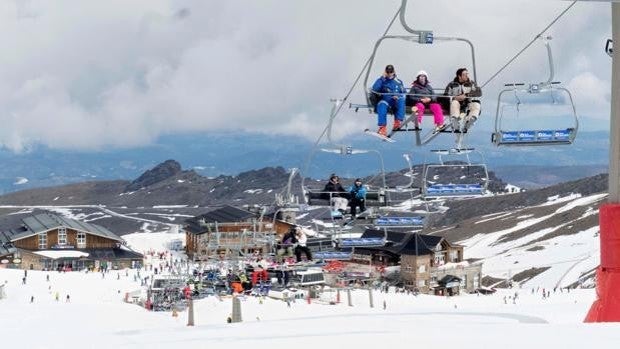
190,312
349,301
236,310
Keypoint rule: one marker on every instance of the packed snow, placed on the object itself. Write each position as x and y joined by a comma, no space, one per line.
20,181
55,254
99,318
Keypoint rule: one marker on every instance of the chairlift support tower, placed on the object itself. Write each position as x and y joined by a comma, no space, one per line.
607,306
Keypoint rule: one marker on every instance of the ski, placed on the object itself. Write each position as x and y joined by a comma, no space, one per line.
382,137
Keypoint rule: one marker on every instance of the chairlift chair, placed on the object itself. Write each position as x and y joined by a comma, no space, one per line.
455,179
420,37
535,93
375,197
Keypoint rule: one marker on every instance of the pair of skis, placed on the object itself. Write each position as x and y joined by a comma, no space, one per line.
388,137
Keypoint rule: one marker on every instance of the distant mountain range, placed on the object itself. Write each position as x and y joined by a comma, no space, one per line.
218,154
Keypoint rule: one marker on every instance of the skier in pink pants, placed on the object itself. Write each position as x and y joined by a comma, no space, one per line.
423,97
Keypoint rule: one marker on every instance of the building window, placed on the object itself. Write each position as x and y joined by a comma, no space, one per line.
454,256
422,268
62,236
81,240
464,281
476,281
421,283
439,259
43,241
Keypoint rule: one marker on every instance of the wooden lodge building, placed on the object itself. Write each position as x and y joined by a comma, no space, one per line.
50,242
425,261
228,232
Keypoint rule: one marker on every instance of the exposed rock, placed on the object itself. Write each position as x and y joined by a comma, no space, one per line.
163,171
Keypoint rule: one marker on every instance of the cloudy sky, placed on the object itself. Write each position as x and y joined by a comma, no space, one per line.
91,74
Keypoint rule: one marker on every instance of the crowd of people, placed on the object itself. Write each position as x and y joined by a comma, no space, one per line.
461,93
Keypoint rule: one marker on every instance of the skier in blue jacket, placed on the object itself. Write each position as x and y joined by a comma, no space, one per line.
392,95
358,197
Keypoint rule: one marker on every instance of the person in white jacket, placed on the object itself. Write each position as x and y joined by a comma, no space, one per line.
302,240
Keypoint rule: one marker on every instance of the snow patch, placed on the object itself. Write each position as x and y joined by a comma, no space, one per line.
20,181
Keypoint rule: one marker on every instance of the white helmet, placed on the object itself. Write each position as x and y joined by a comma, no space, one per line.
422,72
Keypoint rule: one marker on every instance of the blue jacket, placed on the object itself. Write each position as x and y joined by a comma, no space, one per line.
358,192
390,86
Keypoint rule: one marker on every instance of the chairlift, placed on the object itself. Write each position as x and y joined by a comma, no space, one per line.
460,177
410,186
397,193
517,125
376,194
416,37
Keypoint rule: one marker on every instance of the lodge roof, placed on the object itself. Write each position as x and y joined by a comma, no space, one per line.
225,214
402,243
6,248
44,222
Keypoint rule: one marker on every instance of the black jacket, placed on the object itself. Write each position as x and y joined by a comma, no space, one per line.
334,188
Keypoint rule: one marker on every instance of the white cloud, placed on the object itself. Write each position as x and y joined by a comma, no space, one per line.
593,95
88,75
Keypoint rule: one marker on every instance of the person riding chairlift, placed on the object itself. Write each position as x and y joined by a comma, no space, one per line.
301,240
392,95
462,89
424,97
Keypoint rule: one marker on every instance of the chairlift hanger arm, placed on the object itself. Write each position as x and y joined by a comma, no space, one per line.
529,43
412,38
419,33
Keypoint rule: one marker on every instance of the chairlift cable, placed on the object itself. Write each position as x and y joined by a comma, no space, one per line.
539,35
359,76
336,111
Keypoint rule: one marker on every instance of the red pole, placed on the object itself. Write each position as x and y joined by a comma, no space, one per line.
607,306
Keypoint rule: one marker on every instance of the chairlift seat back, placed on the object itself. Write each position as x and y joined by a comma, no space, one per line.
362,242
454,190
332,255
534,137
318,198
400,221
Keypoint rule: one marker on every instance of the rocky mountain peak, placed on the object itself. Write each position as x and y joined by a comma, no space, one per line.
163,171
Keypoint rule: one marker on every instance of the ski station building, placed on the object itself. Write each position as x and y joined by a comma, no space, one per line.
428,263
50,242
